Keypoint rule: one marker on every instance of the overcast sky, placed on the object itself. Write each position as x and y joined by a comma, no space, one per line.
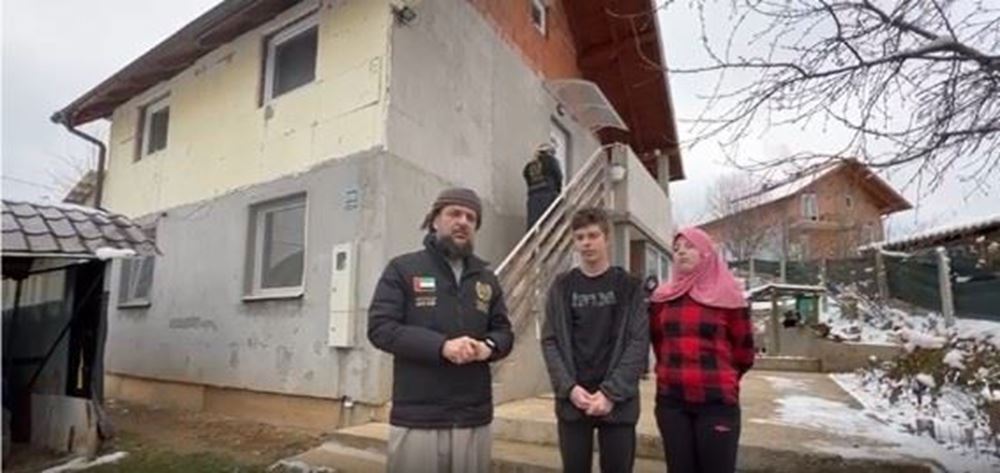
55,50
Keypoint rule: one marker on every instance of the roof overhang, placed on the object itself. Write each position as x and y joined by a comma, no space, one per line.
624,57
221,24
622,52
891,200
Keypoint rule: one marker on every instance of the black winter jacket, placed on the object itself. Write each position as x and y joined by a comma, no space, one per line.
416,307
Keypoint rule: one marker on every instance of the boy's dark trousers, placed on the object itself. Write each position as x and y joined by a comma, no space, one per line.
616,443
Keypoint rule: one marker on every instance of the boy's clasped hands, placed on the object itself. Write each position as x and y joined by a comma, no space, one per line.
595,404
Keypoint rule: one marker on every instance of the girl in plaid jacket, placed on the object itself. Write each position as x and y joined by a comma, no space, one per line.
703,339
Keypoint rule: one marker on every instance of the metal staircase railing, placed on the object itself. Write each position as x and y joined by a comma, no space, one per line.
543,252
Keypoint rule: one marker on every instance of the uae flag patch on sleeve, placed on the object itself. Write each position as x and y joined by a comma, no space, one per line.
423,284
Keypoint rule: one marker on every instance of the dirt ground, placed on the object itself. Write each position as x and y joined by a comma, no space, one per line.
163,440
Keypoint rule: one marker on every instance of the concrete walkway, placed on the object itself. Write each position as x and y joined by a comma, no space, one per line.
779,434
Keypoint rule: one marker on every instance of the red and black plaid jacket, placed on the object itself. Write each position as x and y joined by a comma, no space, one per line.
701,352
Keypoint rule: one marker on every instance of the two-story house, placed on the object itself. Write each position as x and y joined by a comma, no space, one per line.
824,213
283,151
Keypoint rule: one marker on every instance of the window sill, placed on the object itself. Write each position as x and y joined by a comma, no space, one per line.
135,305
290,294
274,100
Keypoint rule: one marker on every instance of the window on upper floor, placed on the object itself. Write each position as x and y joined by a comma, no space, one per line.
278,247
867,233
154,123
290,60
810,208
849,201
538,15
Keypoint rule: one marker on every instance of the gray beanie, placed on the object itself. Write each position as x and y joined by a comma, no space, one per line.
455,196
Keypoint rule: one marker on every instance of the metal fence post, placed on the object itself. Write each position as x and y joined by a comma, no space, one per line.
881,277
944,282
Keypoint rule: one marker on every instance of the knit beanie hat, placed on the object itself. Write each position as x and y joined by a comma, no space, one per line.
455,196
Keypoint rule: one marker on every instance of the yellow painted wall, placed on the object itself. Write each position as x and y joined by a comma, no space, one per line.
220,138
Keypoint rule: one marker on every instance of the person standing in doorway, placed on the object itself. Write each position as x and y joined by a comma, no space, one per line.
544,179
440,312
703,341
595,342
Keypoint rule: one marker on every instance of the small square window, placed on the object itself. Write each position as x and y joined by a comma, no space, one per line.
136,281
538,15
278,232
154,126
291,58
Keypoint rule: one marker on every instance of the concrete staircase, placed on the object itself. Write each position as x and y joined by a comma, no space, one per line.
524,441
799,364
525,437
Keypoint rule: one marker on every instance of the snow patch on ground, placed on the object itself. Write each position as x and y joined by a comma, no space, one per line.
913,339
886,440
985,330
949,429
78,464
787,384
926,380
954,359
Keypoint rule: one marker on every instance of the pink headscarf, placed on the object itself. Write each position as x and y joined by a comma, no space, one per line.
710,283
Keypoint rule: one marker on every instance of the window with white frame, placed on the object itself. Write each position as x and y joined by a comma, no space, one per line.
290,60
136,281
657,263
278,239
809,206
538,15
153,126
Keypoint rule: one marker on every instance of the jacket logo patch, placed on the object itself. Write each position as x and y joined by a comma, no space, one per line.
425,301
484,291
423,284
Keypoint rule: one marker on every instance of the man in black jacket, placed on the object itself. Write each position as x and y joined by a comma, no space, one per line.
544,179
595,342
440,312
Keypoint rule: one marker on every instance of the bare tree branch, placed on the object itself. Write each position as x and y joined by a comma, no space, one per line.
914,83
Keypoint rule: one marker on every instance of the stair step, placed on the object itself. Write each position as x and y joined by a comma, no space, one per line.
533,421
361,449
788,363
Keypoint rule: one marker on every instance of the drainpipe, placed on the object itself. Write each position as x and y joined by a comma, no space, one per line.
102,152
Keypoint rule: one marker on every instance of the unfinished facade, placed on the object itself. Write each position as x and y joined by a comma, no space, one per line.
283,151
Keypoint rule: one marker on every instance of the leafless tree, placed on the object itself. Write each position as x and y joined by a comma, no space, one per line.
741,230
915,83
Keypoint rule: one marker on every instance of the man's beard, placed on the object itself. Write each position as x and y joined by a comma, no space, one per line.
453,250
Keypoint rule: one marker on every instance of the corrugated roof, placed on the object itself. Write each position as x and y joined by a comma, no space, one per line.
939,235
67,230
